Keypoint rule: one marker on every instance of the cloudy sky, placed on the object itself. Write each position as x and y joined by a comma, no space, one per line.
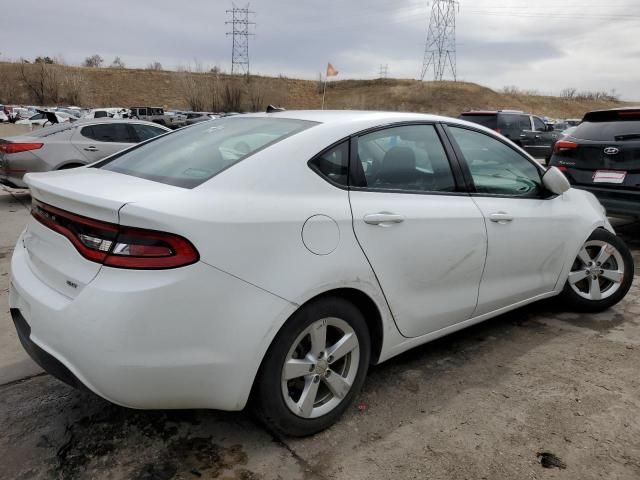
545,45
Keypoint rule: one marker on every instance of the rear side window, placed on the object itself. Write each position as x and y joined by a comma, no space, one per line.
489,120
333,164
191,156
116,133
145,132
608,131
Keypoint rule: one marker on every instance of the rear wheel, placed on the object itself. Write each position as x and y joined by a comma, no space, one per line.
601,274
314,368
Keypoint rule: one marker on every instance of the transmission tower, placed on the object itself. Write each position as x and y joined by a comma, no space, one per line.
440,49
240,32
384,71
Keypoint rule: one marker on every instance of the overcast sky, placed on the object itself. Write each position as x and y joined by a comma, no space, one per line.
545,45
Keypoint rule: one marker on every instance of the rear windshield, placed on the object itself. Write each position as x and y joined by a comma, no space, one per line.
489,120
191,156
608,131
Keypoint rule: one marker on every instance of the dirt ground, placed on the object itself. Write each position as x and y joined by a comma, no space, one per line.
538,393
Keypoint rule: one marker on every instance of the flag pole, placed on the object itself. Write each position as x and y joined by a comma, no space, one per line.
324,91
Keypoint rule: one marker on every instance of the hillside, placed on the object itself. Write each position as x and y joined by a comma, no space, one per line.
53,84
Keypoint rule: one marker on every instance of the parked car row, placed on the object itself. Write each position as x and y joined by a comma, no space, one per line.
69,145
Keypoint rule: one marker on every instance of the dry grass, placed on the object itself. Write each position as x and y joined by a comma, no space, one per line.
128,87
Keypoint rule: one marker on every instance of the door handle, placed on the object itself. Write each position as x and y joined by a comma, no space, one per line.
383,219
522,135
91,149
537,136
501,217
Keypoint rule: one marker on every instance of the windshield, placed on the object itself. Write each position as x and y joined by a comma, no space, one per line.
189,157
608,131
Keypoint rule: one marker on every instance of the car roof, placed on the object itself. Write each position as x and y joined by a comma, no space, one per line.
348,116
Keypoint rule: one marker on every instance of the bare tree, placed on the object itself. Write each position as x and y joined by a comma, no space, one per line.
256,98
117,63
35,80
154,66
194,91
94,61
569,93
74,86
43,80
232,97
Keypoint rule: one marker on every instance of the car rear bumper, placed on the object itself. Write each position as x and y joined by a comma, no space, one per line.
47,362
12,182
191,337
616,201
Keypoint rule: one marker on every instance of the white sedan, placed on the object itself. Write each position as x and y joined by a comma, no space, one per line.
41,119
274,257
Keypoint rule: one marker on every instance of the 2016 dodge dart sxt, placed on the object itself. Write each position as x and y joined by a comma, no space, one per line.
273,257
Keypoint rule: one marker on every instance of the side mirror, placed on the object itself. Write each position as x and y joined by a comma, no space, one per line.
555,181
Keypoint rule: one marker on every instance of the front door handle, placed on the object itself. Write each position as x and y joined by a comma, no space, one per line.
383,219
91,149
501,217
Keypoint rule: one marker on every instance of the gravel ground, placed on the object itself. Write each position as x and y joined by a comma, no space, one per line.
537,393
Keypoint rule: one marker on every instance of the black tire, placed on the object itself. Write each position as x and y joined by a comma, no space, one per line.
268,400
573,301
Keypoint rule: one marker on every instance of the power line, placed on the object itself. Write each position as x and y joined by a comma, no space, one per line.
440,48
384,71
240,32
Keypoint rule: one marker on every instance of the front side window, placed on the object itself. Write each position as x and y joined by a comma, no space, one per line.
116,133
191,156
496,168
408,157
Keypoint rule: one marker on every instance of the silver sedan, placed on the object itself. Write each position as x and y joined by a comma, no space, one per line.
69,145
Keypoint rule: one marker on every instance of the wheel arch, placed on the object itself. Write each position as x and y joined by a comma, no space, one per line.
369,310
70,164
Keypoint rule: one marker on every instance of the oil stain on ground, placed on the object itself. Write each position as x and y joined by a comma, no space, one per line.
145,446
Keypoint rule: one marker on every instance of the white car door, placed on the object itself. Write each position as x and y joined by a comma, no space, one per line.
527,227
424,238
100,140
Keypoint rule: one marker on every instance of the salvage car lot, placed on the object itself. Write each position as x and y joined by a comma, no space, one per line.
491,401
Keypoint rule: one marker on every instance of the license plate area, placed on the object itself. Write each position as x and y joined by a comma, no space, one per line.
609,176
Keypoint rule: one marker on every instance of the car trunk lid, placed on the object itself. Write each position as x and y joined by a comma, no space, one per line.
86,195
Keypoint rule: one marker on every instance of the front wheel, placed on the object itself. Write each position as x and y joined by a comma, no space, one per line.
601,274
314,368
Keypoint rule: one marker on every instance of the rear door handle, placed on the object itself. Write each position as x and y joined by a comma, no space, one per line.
383,219
501,217
91,149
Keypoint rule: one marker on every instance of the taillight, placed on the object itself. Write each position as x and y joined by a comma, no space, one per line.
563,145
498,130
115,245
19,147
562,168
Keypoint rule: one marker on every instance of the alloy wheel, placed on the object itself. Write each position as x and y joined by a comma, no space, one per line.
320,368
598,271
